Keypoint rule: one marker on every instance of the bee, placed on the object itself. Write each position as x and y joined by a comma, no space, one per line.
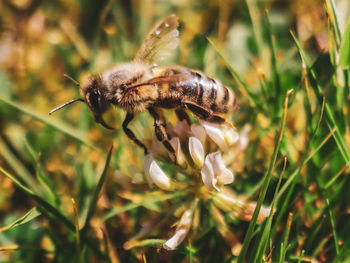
141,85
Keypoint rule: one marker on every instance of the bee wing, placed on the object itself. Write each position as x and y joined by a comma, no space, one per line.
161,80
160,41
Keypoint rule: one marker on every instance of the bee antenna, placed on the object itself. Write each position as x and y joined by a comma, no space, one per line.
71,79
65,104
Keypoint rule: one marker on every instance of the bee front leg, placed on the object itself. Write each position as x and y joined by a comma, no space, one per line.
161,133
130,134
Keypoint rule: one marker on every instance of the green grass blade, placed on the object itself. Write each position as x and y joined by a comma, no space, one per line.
334,19
334,179
157,243
147,202
117,211
301,256
251,97
58,125
254,13
46,207
77,228
47,189
96,193
18,167
294,177
278,92
344,52
267,180
29,216
285,238
331,218
329,114
263,242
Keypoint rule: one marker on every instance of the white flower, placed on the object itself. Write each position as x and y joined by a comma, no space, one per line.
154,174
214,172
215,133
230,134
181,231
196,151
222,135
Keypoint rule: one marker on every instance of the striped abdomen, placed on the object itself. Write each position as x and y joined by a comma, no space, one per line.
196,87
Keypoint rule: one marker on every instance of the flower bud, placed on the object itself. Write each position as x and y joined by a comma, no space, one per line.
196,151
181,231
159,178
155,174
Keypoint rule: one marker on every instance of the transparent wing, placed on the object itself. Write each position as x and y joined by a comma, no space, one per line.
160,41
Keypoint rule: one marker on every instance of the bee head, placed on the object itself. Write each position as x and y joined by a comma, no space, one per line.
92,97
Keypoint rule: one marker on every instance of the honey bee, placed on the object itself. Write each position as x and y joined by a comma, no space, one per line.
141,85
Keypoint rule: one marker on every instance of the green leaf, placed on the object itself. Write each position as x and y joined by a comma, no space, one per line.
33,213
344,52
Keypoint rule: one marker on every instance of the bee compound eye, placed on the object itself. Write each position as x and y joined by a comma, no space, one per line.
94,101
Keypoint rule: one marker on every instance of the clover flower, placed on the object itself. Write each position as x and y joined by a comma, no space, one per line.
205,156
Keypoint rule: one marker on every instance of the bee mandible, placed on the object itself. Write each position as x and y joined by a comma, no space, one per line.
141,85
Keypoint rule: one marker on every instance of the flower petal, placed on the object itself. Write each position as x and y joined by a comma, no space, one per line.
243,137
173,242
207,173
159,178
175,141
196,151
230,134
181,231
214,172
215,133
223,175
147,164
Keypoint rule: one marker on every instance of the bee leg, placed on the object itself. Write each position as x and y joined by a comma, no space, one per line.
130,134
182,115
205,114
161,133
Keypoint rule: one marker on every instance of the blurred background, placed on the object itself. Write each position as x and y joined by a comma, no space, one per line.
62,156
